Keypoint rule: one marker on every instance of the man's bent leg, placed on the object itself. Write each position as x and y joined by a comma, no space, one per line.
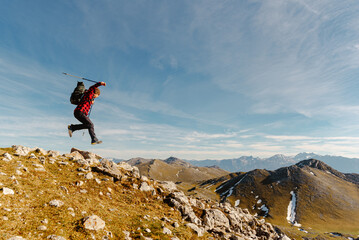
86,124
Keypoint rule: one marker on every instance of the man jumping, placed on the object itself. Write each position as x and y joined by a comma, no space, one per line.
82,111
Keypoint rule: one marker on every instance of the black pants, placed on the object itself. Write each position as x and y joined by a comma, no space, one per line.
86,124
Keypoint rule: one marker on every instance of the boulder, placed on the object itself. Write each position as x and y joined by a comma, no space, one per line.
168,186
52,153
128,168
145,187
127,235
180,201
41,151
56,203
109,168
93,222
125,166
194,227
235,219
7,157
17,238
167,231
180,197
54,237
89,156
7,191
89,175
75,156
21,150
214,218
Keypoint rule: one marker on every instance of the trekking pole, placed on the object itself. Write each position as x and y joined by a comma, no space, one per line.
80,77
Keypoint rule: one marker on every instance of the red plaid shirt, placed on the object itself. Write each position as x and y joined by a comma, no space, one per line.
87,100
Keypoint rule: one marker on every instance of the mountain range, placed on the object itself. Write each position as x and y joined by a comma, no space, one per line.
303,199
306,199
247,163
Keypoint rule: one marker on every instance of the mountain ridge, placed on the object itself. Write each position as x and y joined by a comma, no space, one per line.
322,196
247,163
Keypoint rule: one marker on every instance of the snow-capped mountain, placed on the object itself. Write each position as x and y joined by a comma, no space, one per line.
247,163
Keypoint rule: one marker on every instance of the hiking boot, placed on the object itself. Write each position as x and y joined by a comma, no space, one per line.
69,128
96,142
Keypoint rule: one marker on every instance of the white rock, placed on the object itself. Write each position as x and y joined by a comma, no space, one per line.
56,203
125,166
42,228
285,238
54,237
145,187
195,228
7,157
79,183
17,238
167,231
127,235
144,178
89,175
94,223
20,150
215,218
8,191
168,186
40,150
52,161
147,230
53,153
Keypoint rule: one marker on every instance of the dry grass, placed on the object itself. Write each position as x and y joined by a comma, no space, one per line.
120,206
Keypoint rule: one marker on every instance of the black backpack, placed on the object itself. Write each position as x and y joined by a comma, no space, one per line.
78,93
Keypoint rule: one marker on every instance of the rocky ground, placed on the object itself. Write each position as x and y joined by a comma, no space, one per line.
46,195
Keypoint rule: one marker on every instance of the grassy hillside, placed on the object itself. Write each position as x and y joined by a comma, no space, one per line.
176,171
38,180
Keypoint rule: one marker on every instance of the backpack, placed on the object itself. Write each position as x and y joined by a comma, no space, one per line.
78,93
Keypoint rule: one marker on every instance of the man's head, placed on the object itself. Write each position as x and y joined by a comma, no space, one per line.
96,93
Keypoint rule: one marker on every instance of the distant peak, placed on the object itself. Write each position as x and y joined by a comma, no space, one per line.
174,160
313,163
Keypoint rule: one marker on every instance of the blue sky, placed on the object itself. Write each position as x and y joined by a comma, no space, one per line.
191,79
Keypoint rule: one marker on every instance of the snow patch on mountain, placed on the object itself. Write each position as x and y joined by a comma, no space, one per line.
291,210
230,191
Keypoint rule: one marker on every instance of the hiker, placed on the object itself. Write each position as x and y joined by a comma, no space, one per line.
82,111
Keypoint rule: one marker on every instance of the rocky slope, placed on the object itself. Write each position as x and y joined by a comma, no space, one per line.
309,196
45,195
